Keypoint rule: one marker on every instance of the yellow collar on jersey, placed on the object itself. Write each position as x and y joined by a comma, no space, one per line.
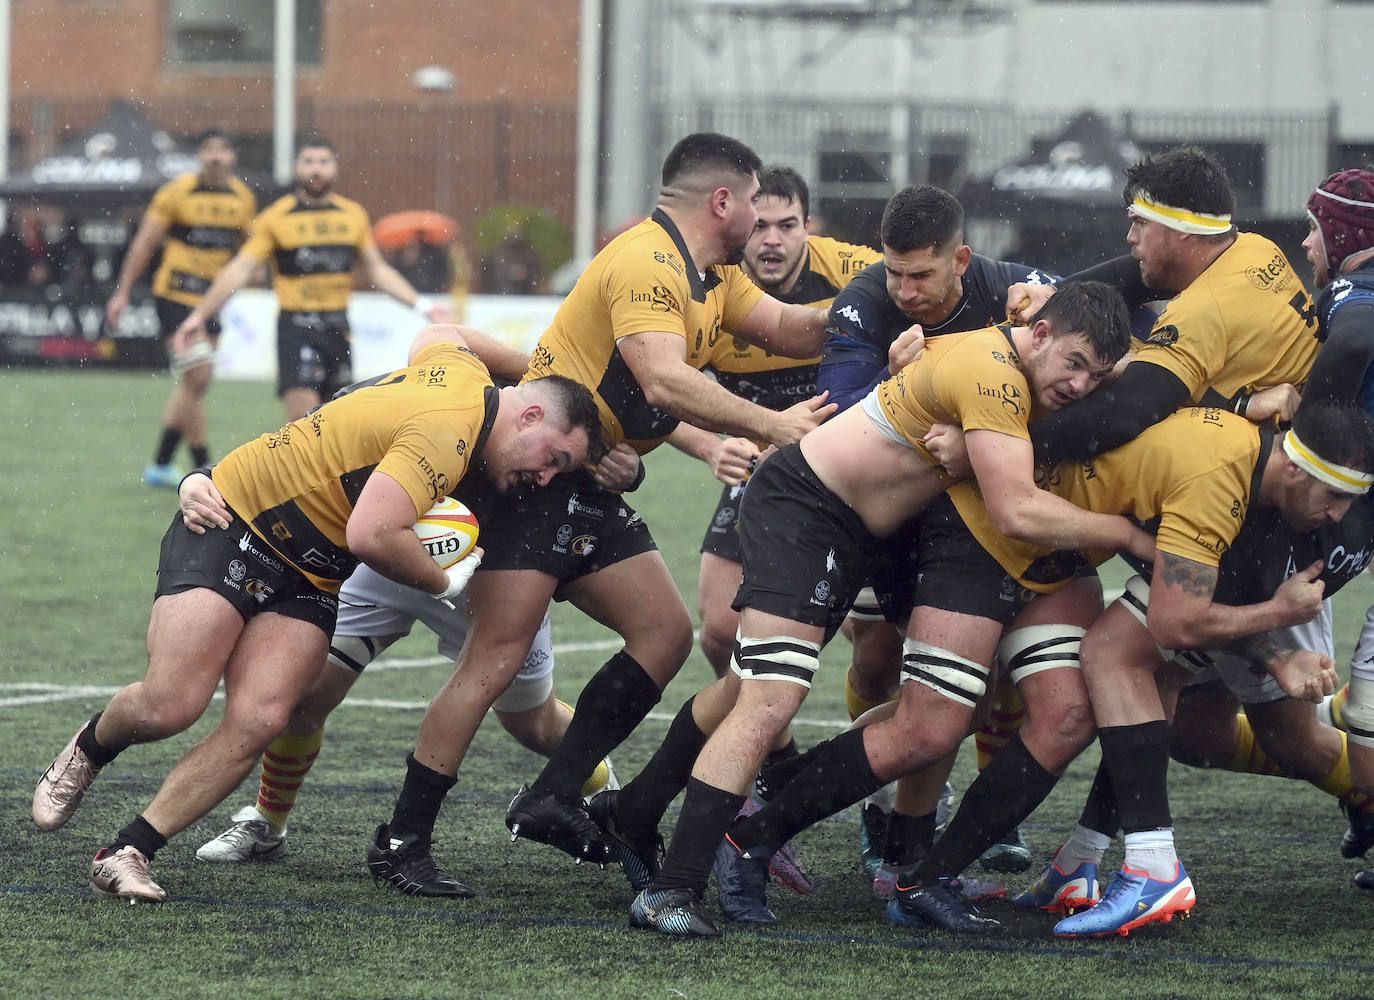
1184,220
1339,476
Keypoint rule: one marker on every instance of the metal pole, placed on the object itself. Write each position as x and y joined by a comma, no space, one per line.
588,130
284,91
4,89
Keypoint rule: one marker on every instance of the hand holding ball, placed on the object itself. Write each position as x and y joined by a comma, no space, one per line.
448,531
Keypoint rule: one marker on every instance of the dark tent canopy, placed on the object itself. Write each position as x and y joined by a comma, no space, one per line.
122,160
1064,196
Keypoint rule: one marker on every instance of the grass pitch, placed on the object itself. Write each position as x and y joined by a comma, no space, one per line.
1277,913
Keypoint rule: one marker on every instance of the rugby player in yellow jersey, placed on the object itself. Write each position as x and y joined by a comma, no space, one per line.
250,570
312,239
813,516
1197,472
198,220
636,329
792,266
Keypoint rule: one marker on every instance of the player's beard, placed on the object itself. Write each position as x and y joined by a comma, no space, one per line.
736,256
318,189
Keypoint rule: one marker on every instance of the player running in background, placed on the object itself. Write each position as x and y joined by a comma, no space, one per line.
312,238
198,220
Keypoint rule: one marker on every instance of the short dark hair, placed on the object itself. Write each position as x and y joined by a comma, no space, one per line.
1184,177
578,406
921,216
213,133
313,140
1095,310
709,151
1337,430
784,182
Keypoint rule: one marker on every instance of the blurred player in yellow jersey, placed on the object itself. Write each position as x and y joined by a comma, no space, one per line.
312,239
250,570
198,220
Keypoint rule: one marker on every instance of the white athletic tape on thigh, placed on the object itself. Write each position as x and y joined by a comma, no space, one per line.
951,675
866,608
355,652
1135,598
1359,712
777,658
1027,651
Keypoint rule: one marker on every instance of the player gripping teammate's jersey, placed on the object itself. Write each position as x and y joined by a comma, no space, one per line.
769,379
205,225
643,282
420,425
864,322
1195,471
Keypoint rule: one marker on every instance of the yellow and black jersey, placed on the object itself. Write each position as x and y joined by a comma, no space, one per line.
312,249
769,379
1195,471
970,379
205,226
1246,323
644,281
421,425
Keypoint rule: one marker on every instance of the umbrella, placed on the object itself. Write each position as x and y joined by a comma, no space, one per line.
400,229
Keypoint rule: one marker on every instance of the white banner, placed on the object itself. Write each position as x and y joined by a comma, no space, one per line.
382,330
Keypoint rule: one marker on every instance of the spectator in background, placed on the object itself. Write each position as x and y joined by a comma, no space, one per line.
14,255
512,267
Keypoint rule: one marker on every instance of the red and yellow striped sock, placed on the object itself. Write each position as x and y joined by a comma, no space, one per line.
284,767
1008,713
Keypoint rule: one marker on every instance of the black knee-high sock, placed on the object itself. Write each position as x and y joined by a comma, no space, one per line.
167,445
706,815
1005,793
98,752
200,455
422,794
1137,757
141,835
774,776
839,776
908,838
1099,811
643,801
614,701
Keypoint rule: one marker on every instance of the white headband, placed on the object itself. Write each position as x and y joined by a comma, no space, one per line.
1341,477
1181,219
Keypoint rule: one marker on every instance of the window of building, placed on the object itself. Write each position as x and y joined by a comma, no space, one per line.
238,32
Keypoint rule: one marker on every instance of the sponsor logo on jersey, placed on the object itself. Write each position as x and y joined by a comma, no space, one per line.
576,506
851,314
246,545
1164,336
1268,275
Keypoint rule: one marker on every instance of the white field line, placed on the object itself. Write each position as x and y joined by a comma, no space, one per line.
33,693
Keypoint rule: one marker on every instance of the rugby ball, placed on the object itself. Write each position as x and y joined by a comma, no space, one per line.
448,531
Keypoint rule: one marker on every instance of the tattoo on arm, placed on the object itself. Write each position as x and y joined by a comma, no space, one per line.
1259,649
1194,578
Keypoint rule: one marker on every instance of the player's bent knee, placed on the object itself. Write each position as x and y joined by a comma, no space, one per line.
948,674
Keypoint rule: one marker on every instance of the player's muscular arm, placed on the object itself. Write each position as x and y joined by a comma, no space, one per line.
379,533
1005,470
658,362
234,276
1143,396
789,330
1183,615
730,459
151,232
